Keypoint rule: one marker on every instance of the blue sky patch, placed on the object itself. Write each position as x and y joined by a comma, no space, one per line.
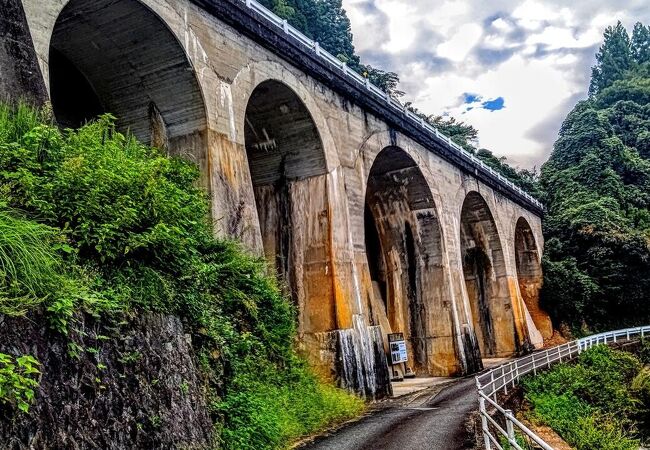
468,97
476,101
494,104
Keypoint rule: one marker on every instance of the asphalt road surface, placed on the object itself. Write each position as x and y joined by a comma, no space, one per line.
430,420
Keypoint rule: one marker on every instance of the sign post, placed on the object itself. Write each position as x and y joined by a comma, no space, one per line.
398,355
397,346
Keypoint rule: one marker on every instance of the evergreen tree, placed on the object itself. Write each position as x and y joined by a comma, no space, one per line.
612,60
388,81
597,190
640,43
331,27
326,22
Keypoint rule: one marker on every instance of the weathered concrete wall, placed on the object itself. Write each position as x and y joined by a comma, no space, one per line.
289,167
19,71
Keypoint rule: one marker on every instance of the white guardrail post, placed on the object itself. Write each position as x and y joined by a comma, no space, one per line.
374,90
510,428
498,379
484,420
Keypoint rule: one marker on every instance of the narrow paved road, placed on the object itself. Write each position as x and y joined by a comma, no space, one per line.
430,421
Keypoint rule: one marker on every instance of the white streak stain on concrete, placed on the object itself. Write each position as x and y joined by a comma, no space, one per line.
225,98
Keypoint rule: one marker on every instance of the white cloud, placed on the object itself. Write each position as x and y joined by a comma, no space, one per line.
532,14
459,45
529,87
502,25
536,54
401,19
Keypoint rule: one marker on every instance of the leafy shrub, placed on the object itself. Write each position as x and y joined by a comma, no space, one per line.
116,200
644,351
592,404
18,380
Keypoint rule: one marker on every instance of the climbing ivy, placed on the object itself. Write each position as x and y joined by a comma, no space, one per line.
18,380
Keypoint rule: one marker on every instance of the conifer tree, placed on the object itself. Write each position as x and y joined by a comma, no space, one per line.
613,59
640,44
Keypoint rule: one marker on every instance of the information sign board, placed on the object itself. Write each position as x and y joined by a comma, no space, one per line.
397,346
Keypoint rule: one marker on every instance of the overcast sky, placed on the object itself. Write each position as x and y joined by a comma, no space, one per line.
513,69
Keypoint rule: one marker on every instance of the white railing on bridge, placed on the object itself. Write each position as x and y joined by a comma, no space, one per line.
385,96
501,422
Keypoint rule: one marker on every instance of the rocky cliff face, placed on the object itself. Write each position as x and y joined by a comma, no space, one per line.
132,384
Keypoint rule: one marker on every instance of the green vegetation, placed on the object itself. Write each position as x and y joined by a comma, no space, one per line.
301,405
18,380
28,263
596,187
598,403
114,226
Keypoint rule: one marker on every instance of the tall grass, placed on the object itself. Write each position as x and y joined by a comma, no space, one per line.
594,404
16,121
29,264
266,409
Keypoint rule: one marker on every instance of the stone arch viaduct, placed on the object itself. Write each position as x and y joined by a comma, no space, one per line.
374,223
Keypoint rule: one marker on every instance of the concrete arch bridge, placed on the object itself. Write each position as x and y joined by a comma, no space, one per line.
377,223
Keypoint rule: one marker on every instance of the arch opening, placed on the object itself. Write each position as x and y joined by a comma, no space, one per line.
486,281
405,261
529,276
375,256
118,56
288,171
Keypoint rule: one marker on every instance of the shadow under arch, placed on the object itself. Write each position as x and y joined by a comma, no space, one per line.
289,177
404,249
119,56
486,281
530,277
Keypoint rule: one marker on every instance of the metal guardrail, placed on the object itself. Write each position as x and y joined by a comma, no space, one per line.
385,96
499,379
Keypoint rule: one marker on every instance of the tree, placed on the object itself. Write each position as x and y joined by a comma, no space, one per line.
330,26
640,44
324,21
596,185
461,132
613,59
387,81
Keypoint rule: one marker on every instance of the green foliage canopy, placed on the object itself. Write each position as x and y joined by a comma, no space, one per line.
596,186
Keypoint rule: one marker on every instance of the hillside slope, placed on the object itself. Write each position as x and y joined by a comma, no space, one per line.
123,321
597,191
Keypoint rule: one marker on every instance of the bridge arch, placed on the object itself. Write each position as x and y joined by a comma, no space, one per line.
288,173
529,276
99,63
486,280
258,72
405,256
